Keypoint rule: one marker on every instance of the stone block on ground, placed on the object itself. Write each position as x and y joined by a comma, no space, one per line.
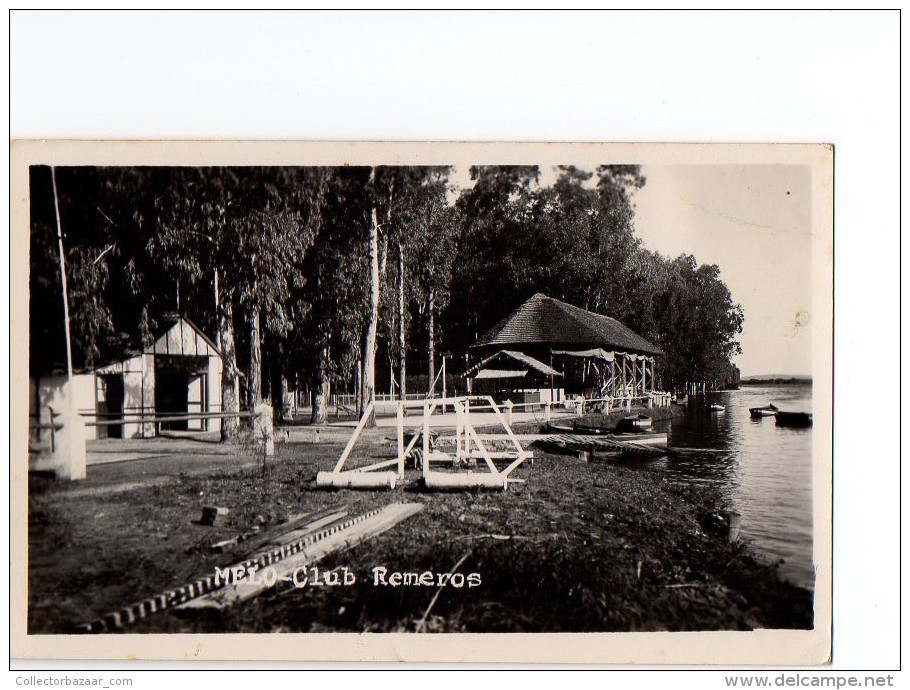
214,516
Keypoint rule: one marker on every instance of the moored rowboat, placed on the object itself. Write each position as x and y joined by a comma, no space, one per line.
794,419
638,436
575,428
759,412
637,422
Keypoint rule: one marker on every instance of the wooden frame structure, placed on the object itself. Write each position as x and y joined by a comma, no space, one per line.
367,476
469,448
630,375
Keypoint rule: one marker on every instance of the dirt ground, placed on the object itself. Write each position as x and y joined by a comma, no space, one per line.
582,547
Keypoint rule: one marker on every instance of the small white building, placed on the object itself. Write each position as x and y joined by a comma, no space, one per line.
179,374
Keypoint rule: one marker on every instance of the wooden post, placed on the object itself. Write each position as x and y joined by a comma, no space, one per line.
426,436
467,419
431,327
458,429
551,374
509,406
624,375
612,390
443,384
400,424
263,416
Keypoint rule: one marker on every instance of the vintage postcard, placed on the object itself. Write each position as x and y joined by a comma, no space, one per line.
422,402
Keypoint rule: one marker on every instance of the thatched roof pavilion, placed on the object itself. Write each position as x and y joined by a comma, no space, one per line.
551,331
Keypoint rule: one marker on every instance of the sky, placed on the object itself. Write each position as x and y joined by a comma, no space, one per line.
754,223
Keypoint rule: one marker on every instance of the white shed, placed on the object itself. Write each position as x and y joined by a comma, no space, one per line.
179,374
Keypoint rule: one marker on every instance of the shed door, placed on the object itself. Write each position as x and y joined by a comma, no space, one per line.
175,375
110,405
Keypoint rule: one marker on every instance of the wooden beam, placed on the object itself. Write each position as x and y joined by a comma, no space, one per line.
367,415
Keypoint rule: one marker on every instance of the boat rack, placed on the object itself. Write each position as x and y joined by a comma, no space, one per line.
460,465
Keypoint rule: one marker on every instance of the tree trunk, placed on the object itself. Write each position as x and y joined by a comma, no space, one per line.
254,392
432,327
217,311
402,343
358,384
229,378
321,389
282,403
368,383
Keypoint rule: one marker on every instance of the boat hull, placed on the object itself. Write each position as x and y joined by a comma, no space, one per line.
794,419
634,423
573,428
649,438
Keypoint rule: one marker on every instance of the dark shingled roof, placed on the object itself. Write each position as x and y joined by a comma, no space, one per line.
543,320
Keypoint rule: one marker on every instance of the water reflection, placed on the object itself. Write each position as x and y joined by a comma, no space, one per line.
764,470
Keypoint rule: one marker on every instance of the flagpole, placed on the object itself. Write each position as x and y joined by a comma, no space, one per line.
72,439
66,308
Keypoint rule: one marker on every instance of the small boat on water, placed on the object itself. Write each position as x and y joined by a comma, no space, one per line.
715,407
794,419
681,400
570,427
635,422
760,412
637,436
645,437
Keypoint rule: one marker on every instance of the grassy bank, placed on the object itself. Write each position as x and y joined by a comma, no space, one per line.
576,547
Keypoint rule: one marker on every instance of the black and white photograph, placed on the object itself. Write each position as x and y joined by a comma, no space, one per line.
429,391
372,340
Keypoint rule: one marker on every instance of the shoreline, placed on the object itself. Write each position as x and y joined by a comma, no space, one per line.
577,547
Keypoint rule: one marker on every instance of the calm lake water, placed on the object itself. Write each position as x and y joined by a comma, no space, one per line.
763,470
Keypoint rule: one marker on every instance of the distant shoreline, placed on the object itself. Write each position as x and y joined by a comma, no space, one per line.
776,381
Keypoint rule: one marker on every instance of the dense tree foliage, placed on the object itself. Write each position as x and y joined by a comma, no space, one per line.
309,275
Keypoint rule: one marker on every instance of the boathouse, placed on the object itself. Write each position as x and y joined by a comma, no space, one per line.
515,376
177,375
564,351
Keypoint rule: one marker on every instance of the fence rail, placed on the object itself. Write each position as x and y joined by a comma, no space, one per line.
386,404
158,418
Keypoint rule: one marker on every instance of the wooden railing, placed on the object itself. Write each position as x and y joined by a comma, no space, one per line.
39,426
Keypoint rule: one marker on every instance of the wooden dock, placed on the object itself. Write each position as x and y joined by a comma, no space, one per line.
645,446
633,445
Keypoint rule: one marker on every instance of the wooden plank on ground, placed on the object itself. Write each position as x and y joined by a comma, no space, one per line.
246,543
312,549
297,534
